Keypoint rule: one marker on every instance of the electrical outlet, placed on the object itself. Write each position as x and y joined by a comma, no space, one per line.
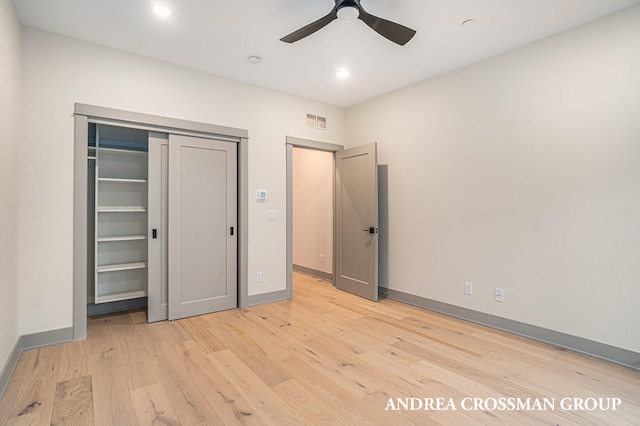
468,288
258,277
499,295
322,258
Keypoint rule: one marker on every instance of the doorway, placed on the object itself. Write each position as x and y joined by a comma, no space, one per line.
313,196
310,256
355,213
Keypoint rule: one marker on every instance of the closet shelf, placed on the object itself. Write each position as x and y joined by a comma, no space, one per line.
122,180
121,267
121,209
112,297
121,151
121,238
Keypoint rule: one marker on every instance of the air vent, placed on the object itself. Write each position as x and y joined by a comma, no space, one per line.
316,121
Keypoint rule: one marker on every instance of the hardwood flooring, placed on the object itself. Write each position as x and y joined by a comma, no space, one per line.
325,357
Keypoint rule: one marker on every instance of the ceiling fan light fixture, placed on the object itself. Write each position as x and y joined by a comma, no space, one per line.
348,13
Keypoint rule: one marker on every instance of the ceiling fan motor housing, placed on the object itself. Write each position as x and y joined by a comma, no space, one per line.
345,3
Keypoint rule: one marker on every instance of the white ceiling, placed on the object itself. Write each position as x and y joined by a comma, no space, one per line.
217,36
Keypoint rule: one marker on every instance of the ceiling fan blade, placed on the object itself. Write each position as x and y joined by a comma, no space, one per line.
397,33
311,28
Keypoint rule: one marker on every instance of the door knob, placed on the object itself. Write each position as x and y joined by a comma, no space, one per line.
370,230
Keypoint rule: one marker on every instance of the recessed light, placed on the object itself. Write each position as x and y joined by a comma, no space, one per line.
254,60
161,10
342,73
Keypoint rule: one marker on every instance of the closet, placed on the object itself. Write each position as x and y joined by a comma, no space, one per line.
161,222
120,212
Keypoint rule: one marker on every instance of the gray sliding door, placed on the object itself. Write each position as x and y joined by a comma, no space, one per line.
158,287
202,226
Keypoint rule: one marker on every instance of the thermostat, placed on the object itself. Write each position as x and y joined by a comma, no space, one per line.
261,195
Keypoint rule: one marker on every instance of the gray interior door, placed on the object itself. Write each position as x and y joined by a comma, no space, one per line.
158,228
357,221
202,226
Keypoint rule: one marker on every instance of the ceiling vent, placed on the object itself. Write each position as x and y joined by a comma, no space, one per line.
316,121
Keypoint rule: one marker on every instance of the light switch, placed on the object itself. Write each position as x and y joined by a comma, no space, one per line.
273,215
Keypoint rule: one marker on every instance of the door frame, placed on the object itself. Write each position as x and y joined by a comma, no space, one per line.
293,142
83,115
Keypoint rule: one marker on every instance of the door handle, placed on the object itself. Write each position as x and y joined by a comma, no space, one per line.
370,230
154,233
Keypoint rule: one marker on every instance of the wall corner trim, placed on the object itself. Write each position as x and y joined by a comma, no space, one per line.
592,348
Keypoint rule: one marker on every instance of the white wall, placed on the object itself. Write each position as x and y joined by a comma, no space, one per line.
313,209
9,175
522,172
57,72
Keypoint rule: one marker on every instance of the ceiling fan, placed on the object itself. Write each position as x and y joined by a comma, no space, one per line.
350,10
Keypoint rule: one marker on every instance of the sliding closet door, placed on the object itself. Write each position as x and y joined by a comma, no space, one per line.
202,226
158,259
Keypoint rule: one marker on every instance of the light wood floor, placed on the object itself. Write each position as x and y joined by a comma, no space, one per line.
325,357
